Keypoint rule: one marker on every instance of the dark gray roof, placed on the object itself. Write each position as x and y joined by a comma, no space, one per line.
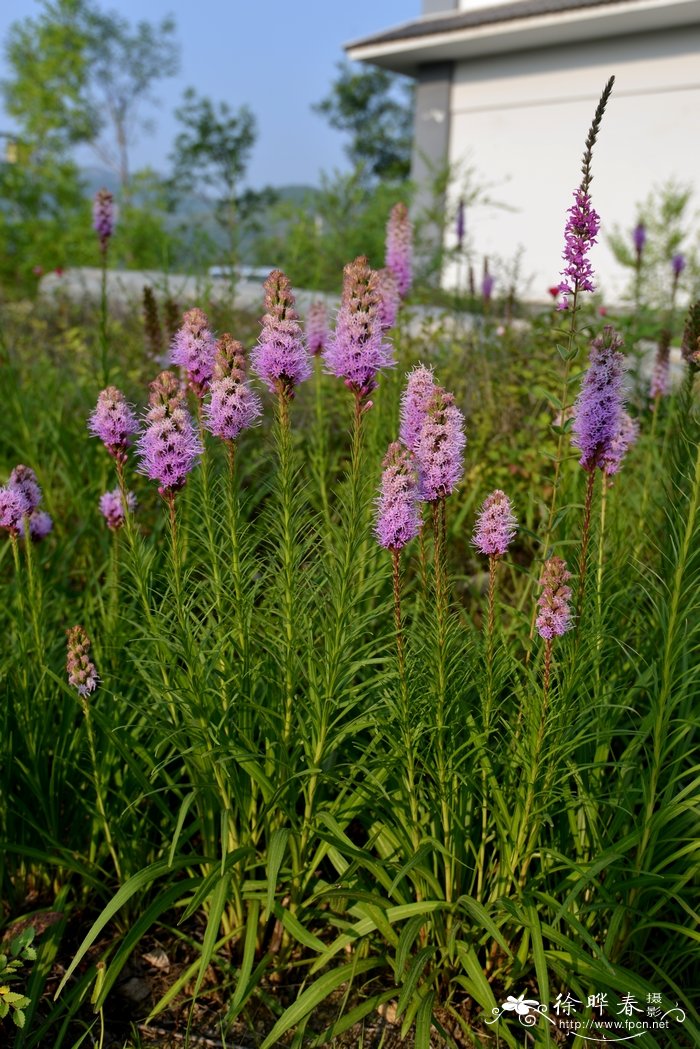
480,17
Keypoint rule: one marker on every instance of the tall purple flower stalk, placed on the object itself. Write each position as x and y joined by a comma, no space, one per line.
389,298
280,357
82,673
439,449
580,235
678,264
14,507
356,349
496,525
598,409
658,386
460,225
114,422
194,348
113,510
103,217
169,446
317,328
399,247
554,617
639,239
19,505
398,518
234,405
617,449
420,387
487,283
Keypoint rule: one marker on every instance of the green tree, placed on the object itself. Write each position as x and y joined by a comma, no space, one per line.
375,108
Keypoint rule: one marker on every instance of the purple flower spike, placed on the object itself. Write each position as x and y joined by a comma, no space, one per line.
398,517
112,508
23,480
317,328
114,422
414,404
103,216
399,247
639,238
678,264
82,674
496,525
487,284
460,225
598,408
14,506
658,387
194,348
440,447
169,447
580,233
234,405
554,617
280,358
40,525
356,350
627,434
389,298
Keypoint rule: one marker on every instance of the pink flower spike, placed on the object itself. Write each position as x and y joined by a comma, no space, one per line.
496,525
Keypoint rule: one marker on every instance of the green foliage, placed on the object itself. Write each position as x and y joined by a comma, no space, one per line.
20,950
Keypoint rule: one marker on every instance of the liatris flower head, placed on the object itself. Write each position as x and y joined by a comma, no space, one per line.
658,387
496,525
639,238
580,234
690,345
389,299
399,247
40,525
460,224
627,434
103,216
14,507
169,446
598,408
193,348
112,508
114,422
440,447
234,406
678,264
356,350
398,517
317,327
23,479
554,618
82,673
280,358
414,404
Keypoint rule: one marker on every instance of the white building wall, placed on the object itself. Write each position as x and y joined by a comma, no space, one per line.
521,121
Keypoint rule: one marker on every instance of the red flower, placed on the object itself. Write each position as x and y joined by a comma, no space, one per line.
554,291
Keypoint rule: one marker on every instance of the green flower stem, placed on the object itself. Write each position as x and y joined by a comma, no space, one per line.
320,445
585,538
442,611
104,352
97,779
35,598
284,448
405,706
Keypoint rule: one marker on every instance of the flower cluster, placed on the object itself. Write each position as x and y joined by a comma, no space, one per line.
440,446
580,234
19,503
627,434
398,517
599,406
496,525
103,216
554,617
356,350
112,508
280,358
317,327
234,405
114,422
420,387
658,387
193,348
169,447
82,674
399,247
639,239
389,298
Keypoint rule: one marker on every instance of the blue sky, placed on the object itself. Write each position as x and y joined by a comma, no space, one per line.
277,56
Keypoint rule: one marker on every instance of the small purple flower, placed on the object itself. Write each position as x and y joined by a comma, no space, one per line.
678,265
234,405
169,447
398,517
580,234
114,422
317,327
112,507
496,525
487,284
280,358
460,224
639,238
356,350
193,348
414,404
40,525
82,674
554,617
598,408
389,298
627,434
103,216
14,506
399,247
23,480
440,447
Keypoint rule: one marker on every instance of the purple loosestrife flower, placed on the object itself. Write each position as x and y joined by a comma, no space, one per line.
580,234
627,434
82,674
317,327
114,422
356,350
103,216
677,265
398,517
23,480
440,447
414,404
496,525
639,238
598,408
112,507
14,506
389,299
280,358
234,404
40,525
169,447
193,348
554,617
399,247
